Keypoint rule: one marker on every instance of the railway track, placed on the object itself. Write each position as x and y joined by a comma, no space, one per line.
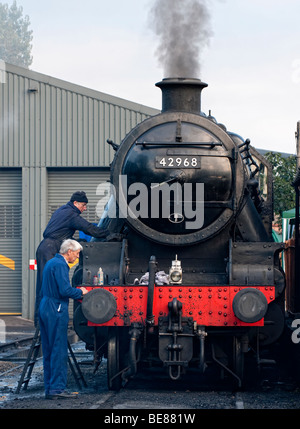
13,345
149,393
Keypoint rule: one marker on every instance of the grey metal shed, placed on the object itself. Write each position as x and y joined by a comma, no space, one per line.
52,142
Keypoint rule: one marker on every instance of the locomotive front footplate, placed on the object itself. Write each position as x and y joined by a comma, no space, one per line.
205,305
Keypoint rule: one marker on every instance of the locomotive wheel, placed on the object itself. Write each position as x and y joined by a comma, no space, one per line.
114,381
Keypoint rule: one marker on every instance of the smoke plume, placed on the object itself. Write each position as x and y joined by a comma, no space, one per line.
183,28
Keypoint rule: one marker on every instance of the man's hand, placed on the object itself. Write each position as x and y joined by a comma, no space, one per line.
84,290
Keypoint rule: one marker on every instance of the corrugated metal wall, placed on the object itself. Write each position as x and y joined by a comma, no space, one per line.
34,215
72,180
47,123
63,182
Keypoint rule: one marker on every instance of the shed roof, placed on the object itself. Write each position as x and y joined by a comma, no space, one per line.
68,86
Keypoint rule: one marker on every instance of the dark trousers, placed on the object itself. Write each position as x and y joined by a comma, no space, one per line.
46,251
53,319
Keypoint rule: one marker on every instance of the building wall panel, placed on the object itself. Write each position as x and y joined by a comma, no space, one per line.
46,124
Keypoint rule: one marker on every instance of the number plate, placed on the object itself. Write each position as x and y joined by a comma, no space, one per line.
177,162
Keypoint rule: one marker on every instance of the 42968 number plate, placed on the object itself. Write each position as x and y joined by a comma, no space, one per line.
188,161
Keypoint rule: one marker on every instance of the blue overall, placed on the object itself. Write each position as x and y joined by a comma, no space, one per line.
53,319
64,222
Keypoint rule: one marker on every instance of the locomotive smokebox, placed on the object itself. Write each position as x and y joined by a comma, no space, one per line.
181,94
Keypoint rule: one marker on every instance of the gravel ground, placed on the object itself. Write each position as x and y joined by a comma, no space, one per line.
147,391
150,390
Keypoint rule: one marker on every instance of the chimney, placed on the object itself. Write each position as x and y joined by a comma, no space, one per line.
181,94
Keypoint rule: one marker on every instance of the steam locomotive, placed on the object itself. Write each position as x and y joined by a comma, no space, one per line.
195,277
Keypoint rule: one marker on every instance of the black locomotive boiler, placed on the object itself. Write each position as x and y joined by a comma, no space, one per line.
195,279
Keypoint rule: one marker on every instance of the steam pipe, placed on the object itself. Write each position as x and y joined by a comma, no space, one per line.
296,184
132,370
152,270
250,223
297,135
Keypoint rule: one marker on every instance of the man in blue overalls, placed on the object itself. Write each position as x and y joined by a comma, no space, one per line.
54,318
64,222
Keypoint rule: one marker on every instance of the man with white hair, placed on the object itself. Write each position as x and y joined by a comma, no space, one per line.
54,317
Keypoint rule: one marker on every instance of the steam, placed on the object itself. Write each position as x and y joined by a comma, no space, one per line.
183,28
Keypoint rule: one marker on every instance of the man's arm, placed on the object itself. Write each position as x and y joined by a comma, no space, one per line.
64,285
88,228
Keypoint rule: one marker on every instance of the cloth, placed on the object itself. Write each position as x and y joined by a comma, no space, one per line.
53,320
161,278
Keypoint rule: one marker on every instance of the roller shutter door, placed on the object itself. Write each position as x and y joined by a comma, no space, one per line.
62,184
10,241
